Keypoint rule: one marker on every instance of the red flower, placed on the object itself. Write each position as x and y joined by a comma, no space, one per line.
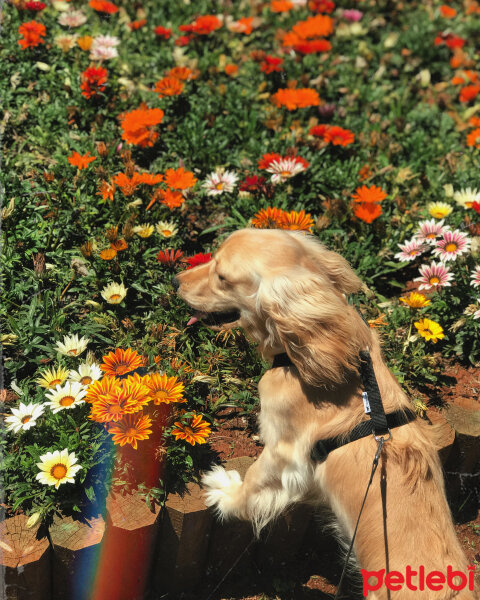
94,80
469,92
271,64
202,25
476,207
267,159
198,259
163,32
319,130
169,257
321,6
339,136
252,184
311,46
35,6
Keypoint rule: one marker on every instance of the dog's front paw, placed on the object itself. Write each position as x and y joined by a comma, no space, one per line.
223,491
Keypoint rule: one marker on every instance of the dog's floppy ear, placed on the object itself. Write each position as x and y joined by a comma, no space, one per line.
319,330
330,264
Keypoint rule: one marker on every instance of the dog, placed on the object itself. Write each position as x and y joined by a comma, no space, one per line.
287,291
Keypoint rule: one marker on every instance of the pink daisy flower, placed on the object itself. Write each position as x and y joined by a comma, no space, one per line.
452,244
435,275
285,168
410,250
475,274
428,231
476,314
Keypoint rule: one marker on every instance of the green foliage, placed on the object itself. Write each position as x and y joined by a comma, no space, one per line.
388,83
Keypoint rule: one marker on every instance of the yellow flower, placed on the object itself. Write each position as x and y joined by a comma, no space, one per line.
114,293
145,230
439,210
430,330
50,378
415,300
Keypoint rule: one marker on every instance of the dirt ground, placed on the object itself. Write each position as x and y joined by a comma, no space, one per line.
314,572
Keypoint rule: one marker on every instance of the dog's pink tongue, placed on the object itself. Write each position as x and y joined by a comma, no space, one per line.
198,315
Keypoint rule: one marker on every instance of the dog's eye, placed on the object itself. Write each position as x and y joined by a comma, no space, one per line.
221,277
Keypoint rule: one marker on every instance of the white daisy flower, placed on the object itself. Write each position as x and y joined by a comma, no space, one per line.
66,397
108,41
24,417
286,168
103,52
57,467
428,231
50,378
167,229
72,18
72,345
220,181
466,197
410,250
114,293
86,374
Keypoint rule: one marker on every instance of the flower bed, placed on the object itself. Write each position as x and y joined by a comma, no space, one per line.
137,136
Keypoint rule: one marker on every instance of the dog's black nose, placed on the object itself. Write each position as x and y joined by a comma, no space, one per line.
175,283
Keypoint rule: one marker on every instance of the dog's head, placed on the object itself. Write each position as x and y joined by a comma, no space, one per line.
288,292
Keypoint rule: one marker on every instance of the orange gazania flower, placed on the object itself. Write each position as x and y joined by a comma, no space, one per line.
134,25
469,92
179,179
100,389
32,33
171,198
203,25
150,178
127,184
473,138
79,161
164,390
314,27
339,136
103,6
367,211
297,221
448,11
319,130
169,86
231,69
365,194
121,362
85,42
243,25
296,98
280,6
108,254
106,190
182,73
193,430
119,245
138,126
269,218
131,429
126,397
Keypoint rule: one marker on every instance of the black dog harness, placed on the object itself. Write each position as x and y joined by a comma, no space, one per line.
379,424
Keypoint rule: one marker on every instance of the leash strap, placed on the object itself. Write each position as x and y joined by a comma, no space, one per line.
370,385
380,441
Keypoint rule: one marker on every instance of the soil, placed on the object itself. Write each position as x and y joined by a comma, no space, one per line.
313,574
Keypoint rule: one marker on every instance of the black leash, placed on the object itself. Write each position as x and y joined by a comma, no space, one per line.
380,441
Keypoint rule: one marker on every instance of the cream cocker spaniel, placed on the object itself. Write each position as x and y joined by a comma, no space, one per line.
287,292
